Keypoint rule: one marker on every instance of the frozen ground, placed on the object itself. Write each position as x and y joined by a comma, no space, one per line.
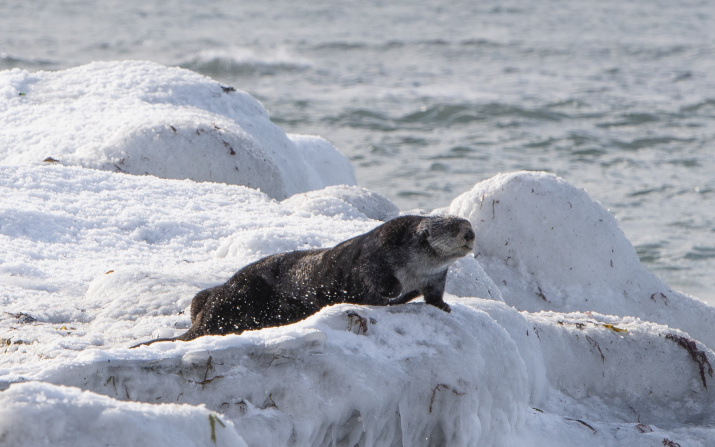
558,335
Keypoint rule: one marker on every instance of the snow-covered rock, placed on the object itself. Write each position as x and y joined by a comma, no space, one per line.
350,201
36,413
549,246
143,118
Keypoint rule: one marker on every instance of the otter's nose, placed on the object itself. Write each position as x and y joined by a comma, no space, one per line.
469,235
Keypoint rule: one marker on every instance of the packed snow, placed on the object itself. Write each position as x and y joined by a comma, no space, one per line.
557,337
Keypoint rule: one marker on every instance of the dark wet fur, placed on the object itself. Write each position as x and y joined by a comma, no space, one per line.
288,287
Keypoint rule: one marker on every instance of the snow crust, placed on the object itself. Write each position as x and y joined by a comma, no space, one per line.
557,337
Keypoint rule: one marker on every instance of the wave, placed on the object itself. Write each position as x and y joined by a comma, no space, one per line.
441,115
706,106
630,119
643,143
396,44
650,253
700,253
8,62
244,62
450,114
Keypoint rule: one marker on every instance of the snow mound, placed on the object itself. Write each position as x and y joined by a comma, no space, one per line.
33,414
549,246
343,200
144,118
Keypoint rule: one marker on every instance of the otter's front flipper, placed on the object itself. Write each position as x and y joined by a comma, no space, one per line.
441,305
433,296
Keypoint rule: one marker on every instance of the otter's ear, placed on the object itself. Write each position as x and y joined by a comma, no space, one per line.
422,231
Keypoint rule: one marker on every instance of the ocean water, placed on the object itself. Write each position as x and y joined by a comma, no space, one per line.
428,98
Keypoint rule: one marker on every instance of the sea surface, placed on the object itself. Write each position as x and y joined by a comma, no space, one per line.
428,98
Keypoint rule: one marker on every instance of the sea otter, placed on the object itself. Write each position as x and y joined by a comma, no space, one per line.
396,262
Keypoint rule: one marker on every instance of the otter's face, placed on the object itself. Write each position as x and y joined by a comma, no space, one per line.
449,236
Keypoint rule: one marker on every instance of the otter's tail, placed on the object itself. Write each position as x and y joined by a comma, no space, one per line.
189,335
154,341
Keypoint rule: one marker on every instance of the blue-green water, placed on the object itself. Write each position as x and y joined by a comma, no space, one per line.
429,97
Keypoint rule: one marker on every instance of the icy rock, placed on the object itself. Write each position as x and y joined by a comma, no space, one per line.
466,277
624,369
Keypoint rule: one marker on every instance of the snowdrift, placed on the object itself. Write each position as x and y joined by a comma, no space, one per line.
558,336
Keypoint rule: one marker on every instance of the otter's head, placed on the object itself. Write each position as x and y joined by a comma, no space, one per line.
449,236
